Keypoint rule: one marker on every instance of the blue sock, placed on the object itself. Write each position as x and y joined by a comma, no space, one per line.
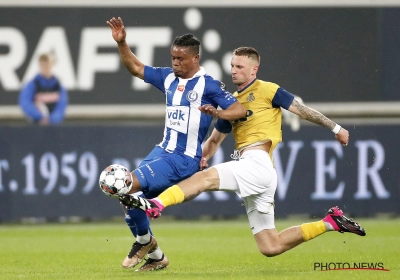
131,224
140,220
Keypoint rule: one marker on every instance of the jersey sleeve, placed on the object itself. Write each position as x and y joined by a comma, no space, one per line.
223,126
219,95
26,98
156,76
282,99
58,115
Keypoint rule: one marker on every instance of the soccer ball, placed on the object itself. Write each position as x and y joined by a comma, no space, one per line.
115,180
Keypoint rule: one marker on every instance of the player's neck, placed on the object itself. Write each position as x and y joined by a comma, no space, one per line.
244,85
191,74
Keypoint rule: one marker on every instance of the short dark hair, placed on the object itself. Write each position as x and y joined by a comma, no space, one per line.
187,40
247,51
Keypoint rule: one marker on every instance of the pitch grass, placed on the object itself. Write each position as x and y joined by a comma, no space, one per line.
196,249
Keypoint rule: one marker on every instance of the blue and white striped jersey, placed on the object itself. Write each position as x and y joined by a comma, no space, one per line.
185,126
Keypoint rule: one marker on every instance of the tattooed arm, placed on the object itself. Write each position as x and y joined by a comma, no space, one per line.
310,114
316,117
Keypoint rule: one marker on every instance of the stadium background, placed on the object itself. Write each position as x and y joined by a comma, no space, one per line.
342,60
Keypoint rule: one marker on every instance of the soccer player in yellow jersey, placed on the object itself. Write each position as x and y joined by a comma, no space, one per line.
252,175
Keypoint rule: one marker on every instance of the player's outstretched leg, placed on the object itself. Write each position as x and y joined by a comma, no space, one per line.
151,206
341,223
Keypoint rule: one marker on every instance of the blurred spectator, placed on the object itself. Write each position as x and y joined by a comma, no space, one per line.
43,99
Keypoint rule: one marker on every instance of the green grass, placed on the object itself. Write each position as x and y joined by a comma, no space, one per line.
196,250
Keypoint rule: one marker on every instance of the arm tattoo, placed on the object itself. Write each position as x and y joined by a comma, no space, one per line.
192,196
312,115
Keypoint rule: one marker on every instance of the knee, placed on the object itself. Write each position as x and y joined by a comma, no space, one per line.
128,219
209,178
270,251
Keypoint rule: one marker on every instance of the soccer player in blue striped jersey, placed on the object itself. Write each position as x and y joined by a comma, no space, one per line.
252,175
187,88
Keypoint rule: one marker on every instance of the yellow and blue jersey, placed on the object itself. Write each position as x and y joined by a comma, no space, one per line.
263,122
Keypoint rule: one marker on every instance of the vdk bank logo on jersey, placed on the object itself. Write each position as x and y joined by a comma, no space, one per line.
177,115
177,118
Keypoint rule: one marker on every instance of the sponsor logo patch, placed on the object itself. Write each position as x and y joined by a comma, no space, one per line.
177,118
192,96
181,88
251,97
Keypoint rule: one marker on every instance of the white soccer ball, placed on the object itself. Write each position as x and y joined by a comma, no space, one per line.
115,180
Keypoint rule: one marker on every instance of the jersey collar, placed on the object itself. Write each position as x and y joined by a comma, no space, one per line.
246,87
199,73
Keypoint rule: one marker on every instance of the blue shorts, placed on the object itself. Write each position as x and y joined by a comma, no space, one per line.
161,170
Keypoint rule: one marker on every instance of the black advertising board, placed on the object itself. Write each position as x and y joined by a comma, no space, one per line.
53,171
320,54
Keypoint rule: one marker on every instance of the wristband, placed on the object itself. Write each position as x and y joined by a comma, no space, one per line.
336,129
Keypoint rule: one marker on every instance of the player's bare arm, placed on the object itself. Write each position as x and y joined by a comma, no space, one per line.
131,62
233,112
211,146
316,117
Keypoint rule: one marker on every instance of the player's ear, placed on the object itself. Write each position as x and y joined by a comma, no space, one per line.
196,58
255,69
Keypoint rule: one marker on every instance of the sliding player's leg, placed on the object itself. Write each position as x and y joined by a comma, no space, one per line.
226,176
187,189
271,243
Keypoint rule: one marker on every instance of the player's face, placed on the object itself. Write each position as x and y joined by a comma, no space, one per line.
184,63
243,70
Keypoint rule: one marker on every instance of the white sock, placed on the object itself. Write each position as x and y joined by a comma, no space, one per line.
328,226
156,254
143,239
158,200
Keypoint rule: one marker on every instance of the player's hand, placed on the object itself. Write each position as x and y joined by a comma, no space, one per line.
203,163
343,137
118,29
209,110
44,121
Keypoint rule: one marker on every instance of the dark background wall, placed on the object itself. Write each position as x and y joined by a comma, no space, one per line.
60,177
390,53
321,54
